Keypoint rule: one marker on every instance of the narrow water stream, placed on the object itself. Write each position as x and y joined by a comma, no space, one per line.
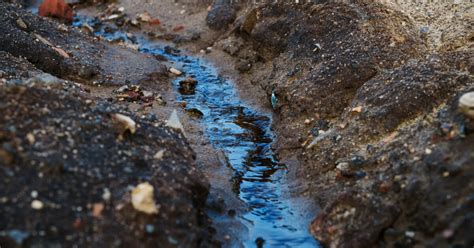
245,136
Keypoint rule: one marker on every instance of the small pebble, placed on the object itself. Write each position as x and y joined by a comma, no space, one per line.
37,205
149,228
21,23
34,194
448,233
31,138
357,109
159,155
410,234
106,195
360,174
175,71
466,104
259,241
343,167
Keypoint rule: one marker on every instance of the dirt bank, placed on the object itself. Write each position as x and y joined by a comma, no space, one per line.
61,150
68,163
364,97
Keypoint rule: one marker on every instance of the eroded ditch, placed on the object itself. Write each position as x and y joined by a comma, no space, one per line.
244,134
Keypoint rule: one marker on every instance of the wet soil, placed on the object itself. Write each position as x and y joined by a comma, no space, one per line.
361,95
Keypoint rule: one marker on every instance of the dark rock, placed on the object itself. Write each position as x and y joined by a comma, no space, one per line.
360,174
221,14
260,242
244,66
246,23
187,86
368,218
172,50
194,112
357,160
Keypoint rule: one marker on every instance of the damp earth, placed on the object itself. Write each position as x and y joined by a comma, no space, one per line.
200,123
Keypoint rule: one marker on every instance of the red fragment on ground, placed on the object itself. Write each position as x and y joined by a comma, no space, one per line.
77,223
178,28
155,21
56,8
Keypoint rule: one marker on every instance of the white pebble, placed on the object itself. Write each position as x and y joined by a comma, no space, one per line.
36,204
175,71
34,194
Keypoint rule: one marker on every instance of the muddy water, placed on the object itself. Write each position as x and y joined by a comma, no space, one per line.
244,134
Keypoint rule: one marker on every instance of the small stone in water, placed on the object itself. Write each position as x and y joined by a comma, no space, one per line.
194,112
187,86
175,71
259,241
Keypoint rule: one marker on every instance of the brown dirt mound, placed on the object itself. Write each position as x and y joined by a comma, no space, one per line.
63,150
